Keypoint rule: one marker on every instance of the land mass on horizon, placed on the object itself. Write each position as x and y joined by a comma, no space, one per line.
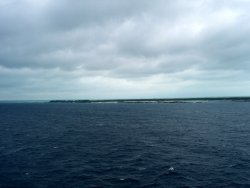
157,100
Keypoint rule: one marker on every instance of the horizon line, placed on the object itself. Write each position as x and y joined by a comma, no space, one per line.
113,99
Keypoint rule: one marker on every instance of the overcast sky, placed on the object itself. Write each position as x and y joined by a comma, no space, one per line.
102,49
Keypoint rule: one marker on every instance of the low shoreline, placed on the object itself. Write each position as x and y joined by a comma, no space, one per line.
172,100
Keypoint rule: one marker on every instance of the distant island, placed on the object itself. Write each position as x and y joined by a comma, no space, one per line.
162,100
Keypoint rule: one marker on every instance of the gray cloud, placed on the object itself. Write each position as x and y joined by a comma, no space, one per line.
105,49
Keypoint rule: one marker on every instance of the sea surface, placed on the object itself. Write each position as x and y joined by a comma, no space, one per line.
125,145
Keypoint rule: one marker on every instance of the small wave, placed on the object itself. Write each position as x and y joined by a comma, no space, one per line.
141,168
171,169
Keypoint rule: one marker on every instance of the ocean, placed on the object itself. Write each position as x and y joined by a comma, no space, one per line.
124,145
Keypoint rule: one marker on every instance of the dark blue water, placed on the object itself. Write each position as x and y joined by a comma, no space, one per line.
125,145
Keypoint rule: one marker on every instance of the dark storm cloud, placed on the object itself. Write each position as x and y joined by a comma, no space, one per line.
47,47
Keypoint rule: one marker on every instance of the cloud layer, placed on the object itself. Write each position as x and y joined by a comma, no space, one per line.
130,49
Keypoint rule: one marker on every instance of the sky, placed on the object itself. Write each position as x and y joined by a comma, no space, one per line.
110,49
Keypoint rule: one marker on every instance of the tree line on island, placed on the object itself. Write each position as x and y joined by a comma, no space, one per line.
157,100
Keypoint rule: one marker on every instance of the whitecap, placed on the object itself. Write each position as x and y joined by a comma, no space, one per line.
171,169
